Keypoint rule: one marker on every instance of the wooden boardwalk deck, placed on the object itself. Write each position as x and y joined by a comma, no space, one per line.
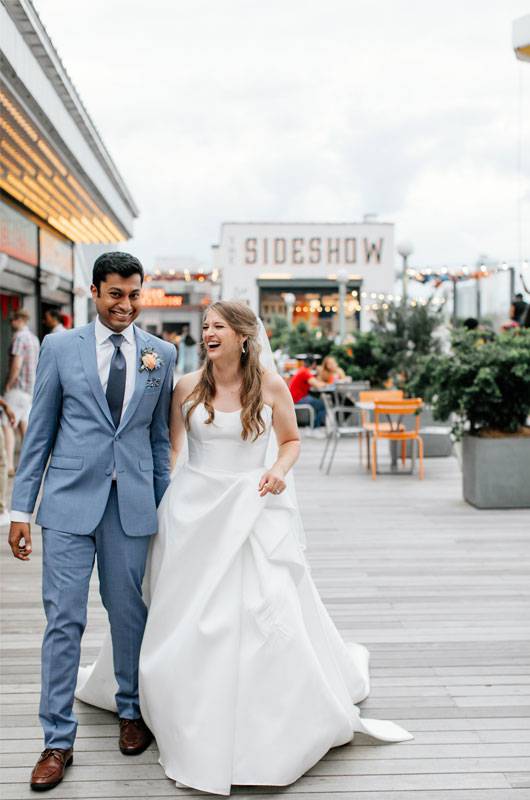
437,590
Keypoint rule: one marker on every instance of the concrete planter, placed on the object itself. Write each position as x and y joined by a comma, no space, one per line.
495,471
436,436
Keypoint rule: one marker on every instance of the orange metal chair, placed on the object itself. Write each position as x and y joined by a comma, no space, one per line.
393,429
374,396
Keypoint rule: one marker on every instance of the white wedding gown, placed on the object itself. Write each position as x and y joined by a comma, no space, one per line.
244,678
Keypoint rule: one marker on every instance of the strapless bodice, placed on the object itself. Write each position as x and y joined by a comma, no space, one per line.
219,446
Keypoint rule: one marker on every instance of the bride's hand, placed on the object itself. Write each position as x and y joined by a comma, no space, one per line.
272,482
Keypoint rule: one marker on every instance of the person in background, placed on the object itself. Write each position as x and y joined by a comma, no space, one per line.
524,320
53,321
302,381
518,309
8,412
24,354
188,356
330,372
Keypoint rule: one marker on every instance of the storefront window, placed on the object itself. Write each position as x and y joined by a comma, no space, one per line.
18,236
317,306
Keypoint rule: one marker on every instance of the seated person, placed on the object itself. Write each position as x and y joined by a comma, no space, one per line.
300,384
330,372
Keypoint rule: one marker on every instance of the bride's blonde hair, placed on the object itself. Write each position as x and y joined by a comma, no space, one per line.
243,321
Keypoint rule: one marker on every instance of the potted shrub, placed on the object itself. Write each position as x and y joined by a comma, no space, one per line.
484,386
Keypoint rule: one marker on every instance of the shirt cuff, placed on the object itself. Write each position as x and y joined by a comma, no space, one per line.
20,516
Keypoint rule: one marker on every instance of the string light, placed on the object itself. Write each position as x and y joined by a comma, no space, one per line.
459,274
436,301
378,301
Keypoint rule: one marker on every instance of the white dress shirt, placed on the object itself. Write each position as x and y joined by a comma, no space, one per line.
104,353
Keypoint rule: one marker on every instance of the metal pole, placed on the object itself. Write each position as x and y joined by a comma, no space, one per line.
405,277
512,285
455,301
478,298
342,315
289,300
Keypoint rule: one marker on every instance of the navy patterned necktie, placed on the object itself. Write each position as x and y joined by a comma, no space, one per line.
116,383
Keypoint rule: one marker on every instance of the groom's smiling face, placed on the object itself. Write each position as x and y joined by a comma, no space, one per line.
118,301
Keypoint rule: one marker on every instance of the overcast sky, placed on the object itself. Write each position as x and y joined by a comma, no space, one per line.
295,110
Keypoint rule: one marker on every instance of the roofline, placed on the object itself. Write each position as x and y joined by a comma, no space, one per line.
357,222
47,56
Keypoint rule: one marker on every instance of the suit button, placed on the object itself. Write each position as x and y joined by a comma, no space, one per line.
108,472
117,436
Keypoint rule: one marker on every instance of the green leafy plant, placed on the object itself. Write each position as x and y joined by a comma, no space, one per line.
299,339
279,333
364,359
484,382
406,334
401,334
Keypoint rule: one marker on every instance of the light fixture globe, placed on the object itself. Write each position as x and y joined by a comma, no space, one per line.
405,248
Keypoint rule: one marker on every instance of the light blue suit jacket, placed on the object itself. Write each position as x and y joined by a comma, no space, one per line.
71,421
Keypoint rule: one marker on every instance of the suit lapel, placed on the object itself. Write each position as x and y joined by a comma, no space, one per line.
140,381
87,347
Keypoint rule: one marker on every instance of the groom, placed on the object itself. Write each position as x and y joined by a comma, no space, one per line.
100,414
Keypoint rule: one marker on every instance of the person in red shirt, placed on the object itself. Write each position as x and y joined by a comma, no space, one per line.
300,384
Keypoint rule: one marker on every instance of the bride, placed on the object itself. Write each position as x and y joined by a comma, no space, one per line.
244,679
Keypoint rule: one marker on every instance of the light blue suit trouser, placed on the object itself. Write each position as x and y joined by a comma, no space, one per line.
68,560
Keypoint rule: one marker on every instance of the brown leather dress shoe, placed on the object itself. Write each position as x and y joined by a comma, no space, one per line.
49,769
135,736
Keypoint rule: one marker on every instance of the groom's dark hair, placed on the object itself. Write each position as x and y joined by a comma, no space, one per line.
123,264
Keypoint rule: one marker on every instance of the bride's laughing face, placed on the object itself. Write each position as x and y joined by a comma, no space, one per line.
220,340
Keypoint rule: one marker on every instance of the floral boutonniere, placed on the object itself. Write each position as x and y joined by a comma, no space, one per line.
150,360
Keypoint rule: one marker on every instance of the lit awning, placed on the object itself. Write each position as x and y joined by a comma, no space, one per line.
521,38
32,172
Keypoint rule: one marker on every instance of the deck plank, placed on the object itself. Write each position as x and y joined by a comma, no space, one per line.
437,590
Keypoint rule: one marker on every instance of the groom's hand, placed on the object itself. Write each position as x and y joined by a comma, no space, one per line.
20,540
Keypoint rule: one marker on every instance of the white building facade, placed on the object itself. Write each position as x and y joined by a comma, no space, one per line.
262,263
62,199
175,297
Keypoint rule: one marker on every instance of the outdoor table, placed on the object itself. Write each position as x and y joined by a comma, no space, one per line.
330,388
347,392
316,391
